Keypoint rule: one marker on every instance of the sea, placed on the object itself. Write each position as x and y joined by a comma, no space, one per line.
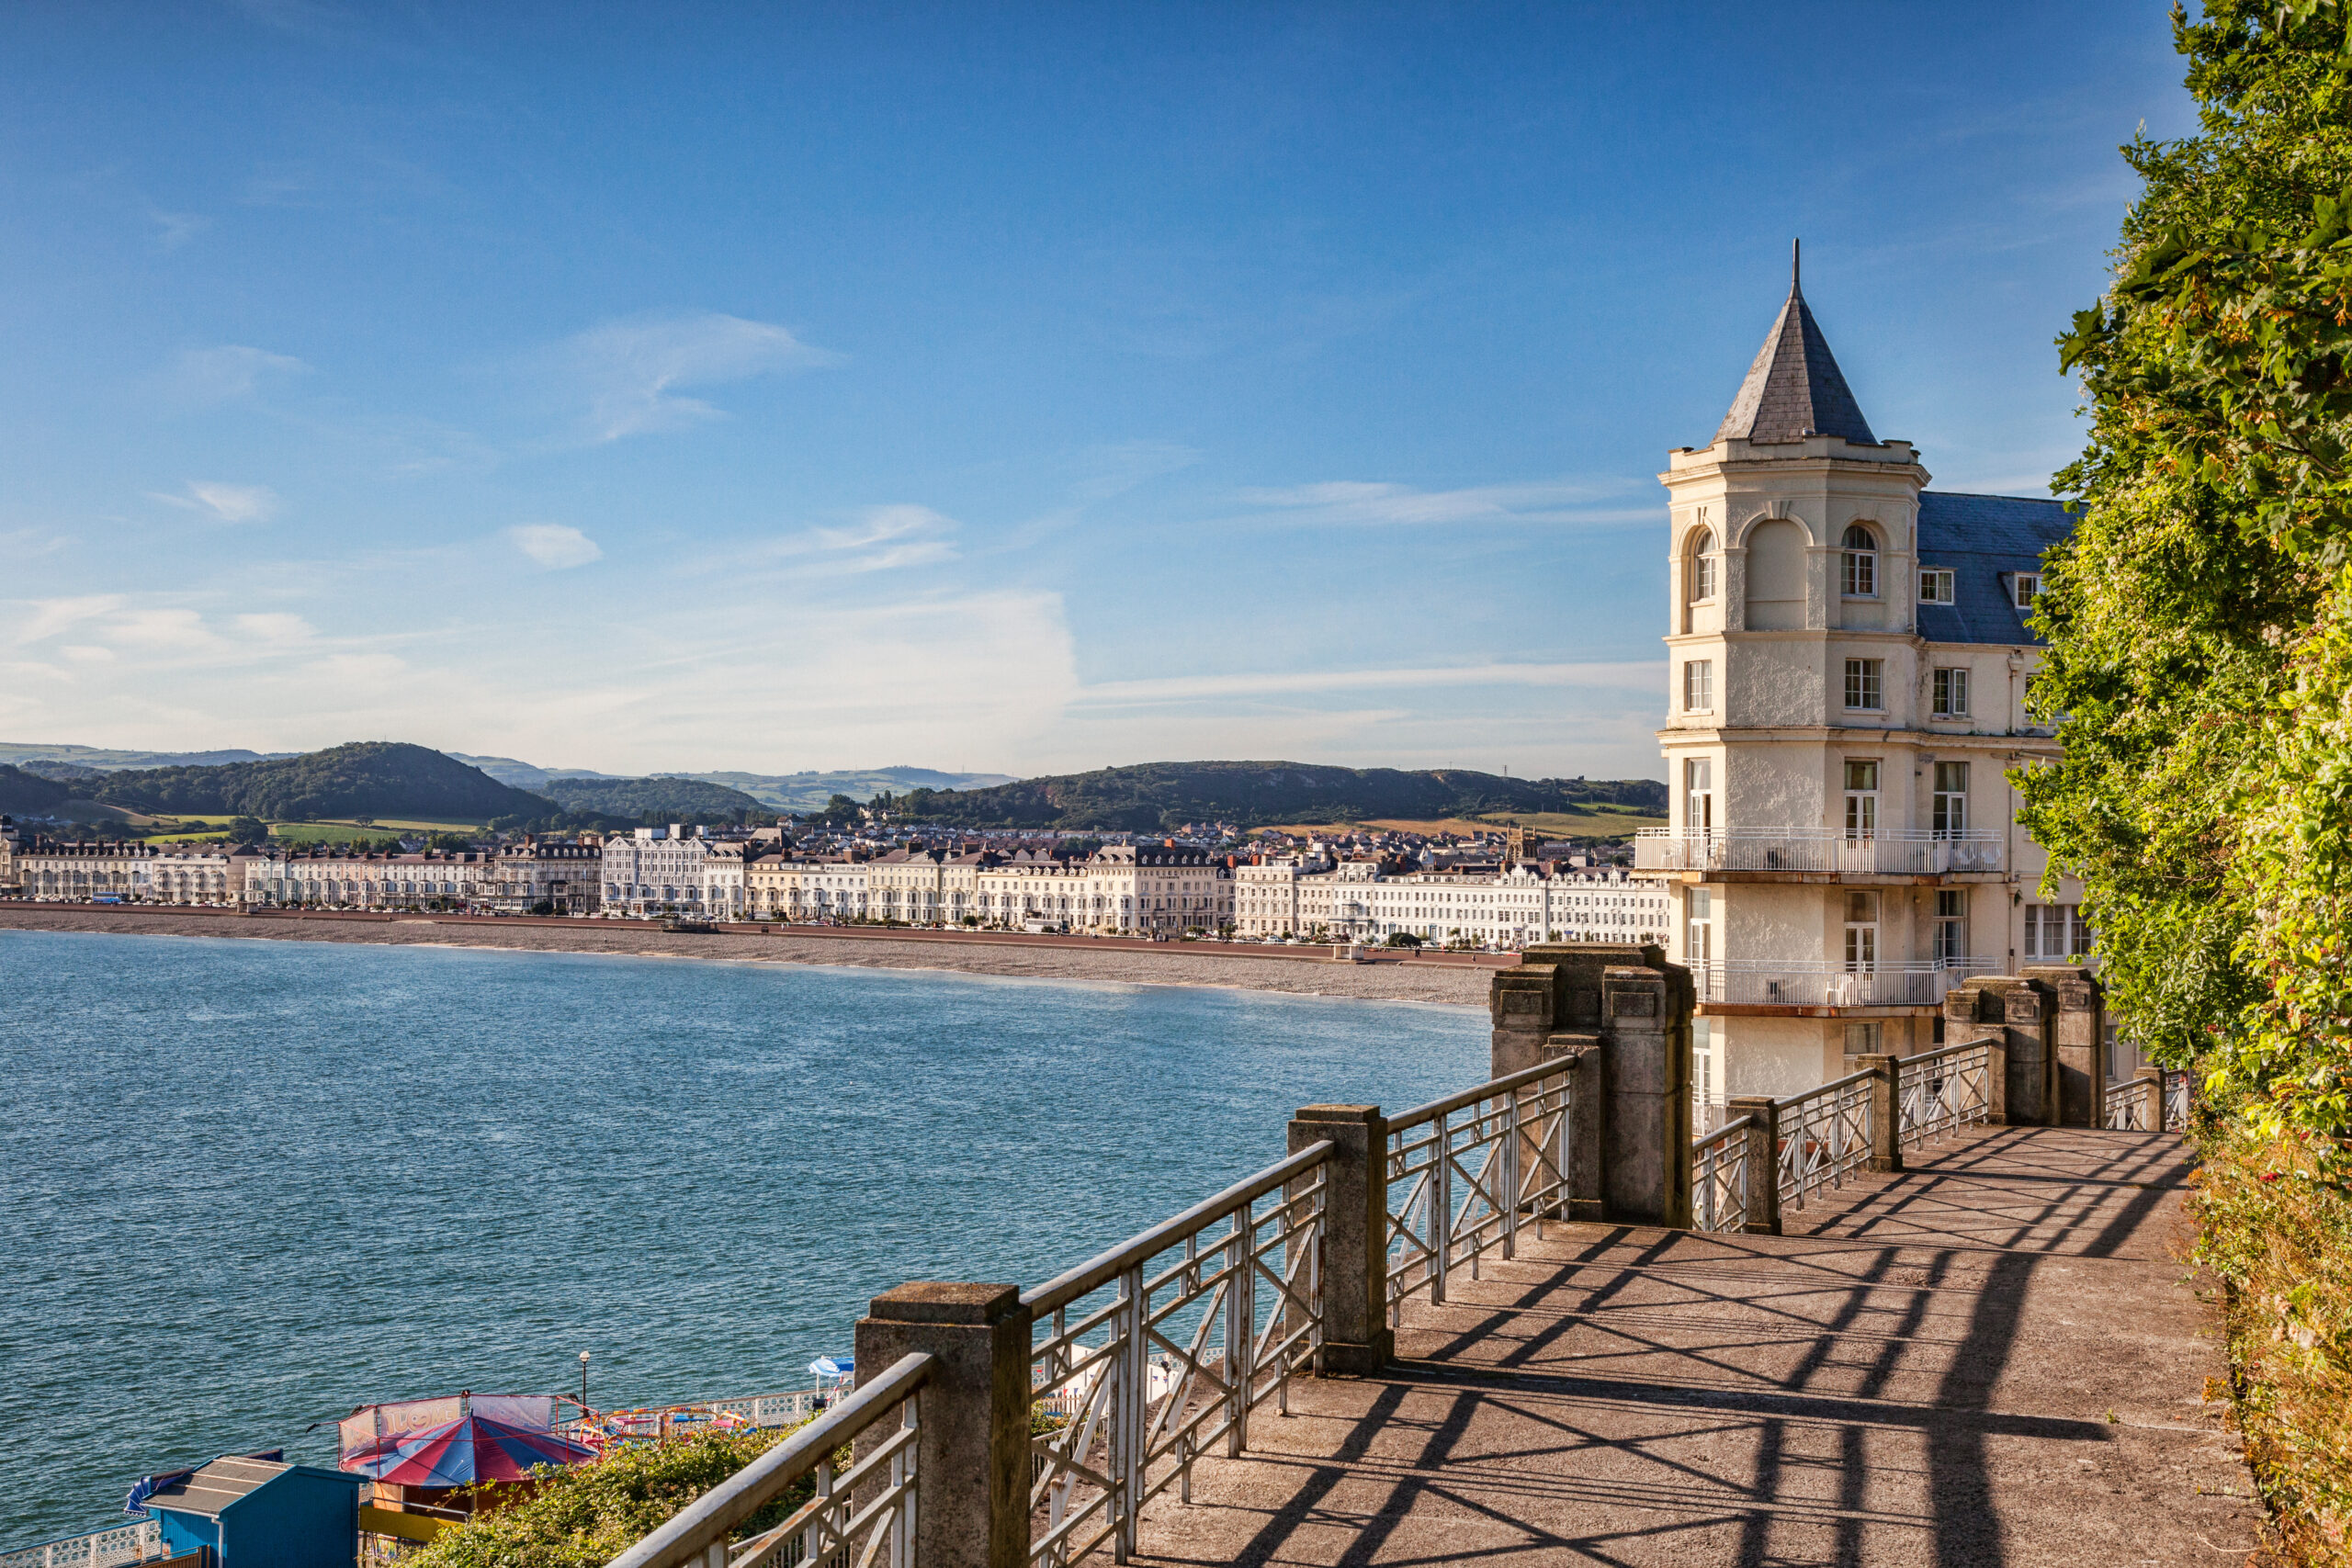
247,1185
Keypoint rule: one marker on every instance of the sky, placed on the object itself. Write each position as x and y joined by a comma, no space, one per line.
1011,388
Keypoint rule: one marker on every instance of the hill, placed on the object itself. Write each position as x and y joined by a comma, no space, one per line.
369,778
674,799
24,794
1157,796
103,759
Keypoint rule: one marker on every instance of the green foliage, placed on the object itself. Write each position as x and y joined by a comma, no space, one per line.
589,1513
2278,1232
30,792
248,831
655,799
380,779
2196,673
1158,796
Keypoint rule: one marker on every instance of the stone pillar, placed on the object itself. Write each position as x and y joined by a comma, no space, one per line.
972,1458
2078,1040
1886,1111
2152,1104
1763,1113
2016,1017
1646,1176
1587,1119
1357,1340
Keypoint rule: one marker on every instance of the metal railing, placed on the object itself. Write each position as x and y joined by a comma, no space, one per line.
834,1525
1941,1091
1824,1134
1890,852
789,1409
1156,1349
2124,1107
2175,1101
1461,1172
1719,1176
140,1541
1770,982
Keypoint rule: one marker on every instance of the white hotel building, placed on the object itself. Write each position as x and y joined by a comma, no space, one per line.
1848,661
1361,900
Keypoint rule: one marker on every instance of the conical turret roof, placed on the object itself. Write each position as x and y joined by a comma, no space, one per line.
1794,389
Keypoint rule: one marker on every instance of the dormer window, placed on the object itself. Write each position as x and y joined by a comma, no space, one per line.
1935,585
1702,566
1861,564
2025,587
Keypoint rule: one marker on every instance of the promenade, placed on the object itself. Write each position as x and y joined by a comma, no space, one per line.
1990,1359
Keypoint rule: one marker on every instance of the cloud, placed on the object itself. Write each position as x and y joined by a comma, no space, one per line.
51,617
634,372
1355,504
173,229
228,372
1118,466
87,653
275,627
225,503
878,538
555,545
1630,675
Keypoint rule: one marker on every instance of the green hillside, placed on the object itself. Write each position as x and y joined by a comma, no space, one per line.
679,800
370,778
1156,796
21,792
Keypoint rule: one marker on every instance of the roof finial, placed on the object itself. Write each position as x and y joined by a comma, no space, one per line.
1796,255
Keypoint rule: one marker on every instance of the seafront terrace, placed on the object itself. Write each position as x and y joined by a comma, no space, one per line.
1929,1312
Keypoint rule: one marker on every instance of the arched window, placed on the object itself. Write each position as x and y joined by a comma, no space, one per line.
1702,566
1861,564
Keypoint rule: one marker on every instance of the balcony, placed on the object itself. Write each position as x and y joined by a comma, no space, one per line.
1799,983
1819,851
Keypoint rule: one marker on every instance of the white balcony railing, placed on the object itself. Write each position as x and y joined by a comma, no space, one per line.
1912,851
1765,982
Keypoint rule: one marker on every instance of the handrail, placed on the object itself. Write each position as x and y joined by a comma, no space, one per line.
1104,1266
1926,1057
1407,1120
1828,835
1832,1087
1736,1124
709,1518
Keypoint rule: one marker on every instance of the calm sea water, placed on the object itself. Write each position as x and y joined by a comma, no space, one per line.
246,1185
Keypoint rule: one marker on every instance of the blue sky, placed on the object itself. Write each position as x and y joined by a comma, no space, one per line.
1011,388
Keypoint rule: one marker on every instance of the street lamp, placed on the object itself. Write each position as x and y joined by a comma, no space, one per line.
584,1382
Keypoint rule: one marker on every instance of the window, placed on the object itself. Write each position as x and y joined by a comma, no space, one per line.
1861,564
1702,566
1951,925
1861,932
1862,800
1698,795
2055,930
1861,1038
1865,680
1951,815
2025,587
1950,693
1699,685
1935,585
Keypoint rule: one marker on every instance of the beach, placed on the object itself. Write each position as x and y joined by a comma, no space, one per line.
1188,964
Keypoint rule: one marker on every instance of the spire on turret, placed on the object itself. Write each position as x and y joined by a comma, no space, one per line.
1794,389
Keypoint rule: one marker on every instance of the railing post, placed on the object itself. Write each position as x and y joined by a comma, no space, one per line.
1357,1340
1886,1110
972,1444
1440,1207
1763,1134
2152,1084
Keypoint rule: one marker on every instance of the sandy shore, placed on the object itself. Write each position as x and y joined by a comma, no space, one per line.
1171,966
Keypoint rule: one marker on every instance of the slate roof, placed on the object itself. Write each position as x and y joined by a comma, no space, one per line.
211,1489
1794,389
1982,538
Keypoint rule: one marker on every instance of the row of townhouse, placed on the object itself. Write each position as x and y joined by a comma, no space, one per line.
109,872
1136,889
1366,899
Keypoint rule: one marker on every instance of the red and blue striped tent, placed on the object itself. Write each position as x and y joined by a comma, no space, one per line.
460,1452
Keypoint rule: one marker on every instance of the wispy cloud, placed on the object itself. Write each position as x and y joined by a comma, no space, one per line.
636,373
878,538
51,617
555,545
228,372
1630,675
223,503
1357,504
173,229
1118,466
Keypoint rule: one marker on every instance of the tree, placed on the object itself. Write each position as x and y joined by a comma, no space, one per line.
2200,618
248,831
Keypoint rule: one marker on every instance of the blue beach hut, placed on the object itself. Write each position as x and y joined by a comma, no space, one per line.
257,1513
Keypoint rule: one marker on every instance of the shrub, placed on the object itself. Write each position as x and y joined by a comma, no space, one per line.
586,1515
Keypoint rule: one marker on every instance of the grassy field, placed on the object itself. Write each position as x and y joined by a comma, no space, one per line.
199,828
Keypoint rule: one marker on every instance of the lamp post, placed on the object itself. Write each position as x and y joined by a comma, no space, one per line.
584,1382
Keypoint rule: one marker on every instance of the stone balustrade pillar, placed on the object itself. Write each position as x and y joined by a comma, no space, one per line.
1763,1113
972,1453
1886,1111
1357,1340
2151,1087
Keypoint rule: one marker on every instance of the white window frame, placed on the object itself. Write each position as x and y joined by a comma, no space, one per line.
1936,585
1858,565
2025,587
1866,685
1698,685
1947,692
